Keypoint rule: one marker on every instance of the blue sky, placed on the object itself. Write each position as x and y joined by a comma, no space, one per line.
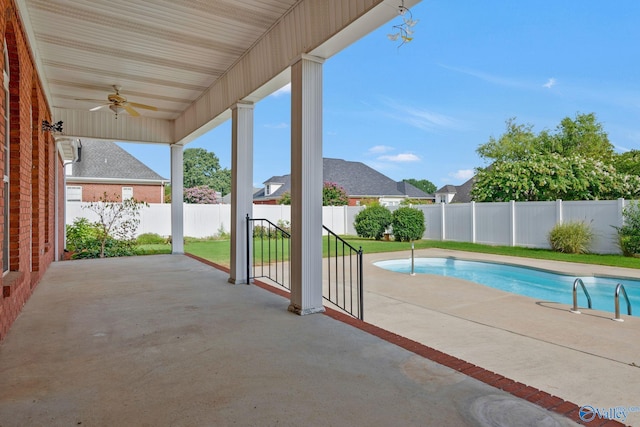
421,110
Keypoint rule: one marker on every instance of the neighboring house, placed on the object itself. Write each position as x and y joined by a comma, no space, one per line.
360,181
226,200
104,167
455,193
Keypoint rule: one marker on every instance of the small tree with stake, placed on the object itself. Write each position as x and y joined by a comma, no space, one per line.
117,223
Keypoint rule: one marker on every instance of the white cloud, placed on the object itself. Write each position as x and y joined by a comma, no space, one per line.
380,149
463,174
284,90
550,83
401,158
277,125
420,118
490,78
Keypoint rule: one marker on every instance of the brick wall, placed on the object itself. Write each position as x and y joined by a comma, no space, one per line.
144,193
31,175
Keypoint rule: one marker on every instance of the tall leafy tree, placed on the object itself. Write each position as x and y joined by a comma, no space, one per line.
628,162
517,143
583,136
202,169
423,184
551,177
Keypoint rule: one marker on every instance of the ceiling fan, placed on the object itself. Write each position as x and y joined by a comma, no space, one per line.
118,103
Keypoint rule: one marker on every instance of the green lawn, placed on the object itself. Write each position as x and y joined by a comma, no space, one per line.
153,249
218,251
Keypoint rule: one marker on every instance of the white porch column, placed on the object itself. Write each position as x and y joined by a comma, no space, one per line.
177,216
306,185
241,188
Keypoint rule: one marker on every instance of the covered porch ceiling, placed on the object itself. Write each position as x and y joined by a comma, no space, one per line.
190,59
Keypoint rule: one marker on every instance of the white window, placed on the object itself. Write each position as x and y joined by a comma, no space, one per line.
127,193
5,175
74,193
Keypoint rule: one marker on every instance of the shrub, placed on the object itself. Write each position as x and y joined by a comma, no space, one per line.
222,234
573,237
260,231
285,226
372,221
150,239
629,233
408,224
82,238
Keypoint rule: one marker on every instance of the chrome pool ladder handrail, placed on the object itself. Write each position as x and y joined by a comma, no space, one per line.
616,296
575,295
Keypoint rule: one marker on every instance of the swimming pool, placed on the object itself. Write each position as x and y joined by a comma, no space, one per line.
530,282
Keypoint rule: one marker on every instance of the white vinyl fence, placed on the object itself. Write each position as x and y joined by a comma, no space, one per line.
510,223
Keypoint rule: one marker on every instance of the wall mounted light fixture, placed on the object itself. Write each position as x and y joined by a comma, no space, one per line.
51,127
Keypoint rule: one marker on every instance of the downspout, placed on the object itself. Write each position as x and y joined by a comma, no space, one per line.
56,237
76,158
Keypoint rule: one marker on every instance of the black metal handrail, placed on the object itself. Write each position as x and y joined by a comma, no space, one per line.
344,275
272,244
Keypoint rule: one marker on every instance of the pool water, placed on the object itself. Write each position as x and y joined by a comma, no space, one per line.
538,284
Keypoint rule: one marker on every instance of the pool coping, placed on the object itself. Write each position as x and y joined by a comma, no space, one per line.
513,264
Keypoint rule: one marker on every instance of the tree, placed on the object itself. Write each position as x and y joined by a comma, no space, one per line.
117,221
583,136
423,184
334,195
285,199
628,162
200,195
552,177
202,168
517,143
167,193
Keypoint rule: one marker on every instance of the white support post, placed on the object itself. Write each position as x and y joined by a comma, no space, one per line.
177,205
306,185
241,189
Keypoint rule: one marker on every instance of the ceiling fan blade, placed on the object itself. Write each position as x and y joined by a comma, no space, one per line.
146,107
99,107
130,110
88,99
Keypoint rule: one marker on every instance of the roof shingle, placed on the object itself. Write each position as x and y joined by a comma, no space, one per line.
105,159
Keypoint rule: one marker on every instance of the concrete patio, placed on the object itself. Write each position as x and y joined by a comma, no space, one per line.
165,341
